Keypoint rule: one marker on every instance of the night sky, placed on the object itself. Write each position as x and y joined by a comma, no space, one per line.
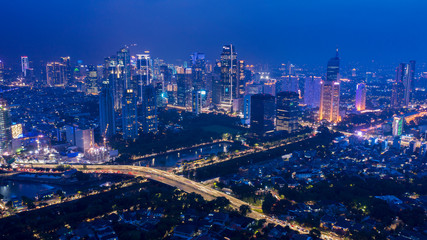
263,31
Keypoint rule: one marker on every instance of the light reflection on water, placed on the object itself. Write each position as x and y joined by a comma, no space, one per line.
173,159
18,189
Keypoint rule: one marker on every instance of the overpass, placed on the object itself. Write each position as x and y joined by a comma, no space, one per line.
186,185
165,177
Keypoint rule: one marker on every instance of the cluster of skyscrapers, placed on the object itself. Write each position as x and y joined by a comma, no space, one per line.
131,88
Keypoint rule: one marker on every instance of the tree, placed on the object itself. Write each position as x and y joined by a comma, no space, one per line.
268,203
315,233
29,202
245,209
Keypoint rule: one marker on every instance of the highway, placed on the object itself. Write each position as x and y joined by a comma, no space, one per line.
186,185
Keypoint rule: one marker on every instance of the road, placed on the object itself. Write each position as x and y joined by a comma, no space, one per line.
184,184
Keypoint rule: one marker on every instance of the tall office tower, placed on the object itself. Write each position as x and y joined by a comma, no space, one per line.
111,73
247,109
269,87
397,126
242,76
129,115
25,65
287,111
129,98
184,86
149,109
330,92
68,69
229,80
92,80
107,120
197,101
143,72
409,82
198,70
289,83
263,114
55,74
403,86
5,127
84,139
361,97
124,66
312,88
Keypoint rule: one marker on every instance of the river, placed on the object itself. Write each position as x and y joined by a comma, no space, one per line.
175,158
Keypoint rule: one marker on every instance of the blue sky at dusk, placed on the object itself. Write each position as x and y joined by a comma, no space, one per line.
266,31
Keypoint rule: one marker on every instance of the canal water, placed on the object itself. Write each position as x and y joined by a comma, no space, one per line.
176,158
15,190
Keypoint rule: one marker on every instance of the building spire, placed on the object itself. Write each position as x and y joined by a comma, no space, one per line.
337,53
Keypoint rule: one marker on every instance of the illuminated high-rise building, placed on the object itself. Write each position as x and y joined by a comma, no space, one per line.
5,127
198,68
289,83
107,121
263,114
330,92
25,65
55,74
403,85
197,101
397,126
111,74
129,98
361,97
184,87
68,69
229,80
129,115
287,111
312,89
242,78
92,80
149,110
143,72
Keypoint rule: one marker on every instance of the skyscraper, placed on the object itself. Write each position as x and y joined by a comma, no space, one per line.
397,126
68,69
129,115
25,65
129,98
312,89
242,78
287,111
92,80
5,127
149,110
198,70
403,85
263,113
107,121
229,81
330,92
361,97
184,87
55,74
197,100
143,72
111,78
